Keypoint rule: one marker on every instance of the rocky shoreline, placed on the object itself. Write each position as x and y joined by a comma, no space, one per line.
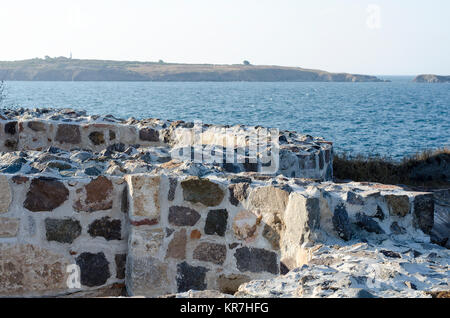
98,205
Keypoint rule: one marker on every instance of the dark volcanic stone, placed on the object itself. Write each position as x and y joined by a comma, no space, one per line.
321,160
124,205
94,269
149,134
190,277
11,128
173,186
380,214
97,137
203,191
284,269
238,193
216,222
256,260
119,147
390,254
45,194
107,228
121,261
62,230
69,134
211,252
92,171
424,212
341,223
368,224
182,216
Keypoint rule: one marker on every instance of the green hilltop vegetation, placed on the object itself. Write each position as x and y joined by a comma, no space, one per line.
66,69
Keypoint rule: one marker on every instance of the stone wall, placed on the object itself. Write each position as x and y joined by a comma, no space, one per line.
47,224
183,233
299,156
168,231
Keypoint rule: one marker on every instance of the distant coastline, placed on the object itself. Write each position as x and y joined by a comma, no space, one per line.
431,78
65,69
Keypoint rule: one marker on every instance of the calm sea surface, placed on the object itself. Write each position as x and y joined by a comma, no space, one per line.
393,119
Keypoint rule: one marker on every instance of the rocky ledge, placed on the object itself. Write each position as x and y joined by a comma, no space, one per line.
97,205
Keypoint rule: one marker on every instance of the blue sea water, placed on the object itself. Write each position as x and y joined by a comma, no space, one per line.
394,119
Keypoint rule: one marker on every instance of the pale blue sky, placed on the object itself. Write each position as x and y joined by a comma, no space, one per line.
411,36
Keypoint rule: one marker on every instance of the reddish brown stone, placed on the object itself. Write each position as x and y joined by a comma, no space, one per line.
45,194
20,179
98,196
196,235
144,222
177,247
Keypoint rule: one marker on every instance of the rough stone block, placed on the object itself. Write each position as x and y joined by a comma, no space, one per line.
245,226
144,196
69,134
177,247
147,276
94,269
37,126
256,260
202,191
62,230
211,252
190,277
173,187
341,223
398,204
5,194
121,260
107,228
229,284
145,240
258,199
216,222
27,270
149,134
238,193
182,216
9,227
423,217
45,194
97,196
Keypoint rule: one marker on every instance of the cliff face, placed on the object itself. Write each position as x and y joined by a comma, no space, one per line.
431,78
63,69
